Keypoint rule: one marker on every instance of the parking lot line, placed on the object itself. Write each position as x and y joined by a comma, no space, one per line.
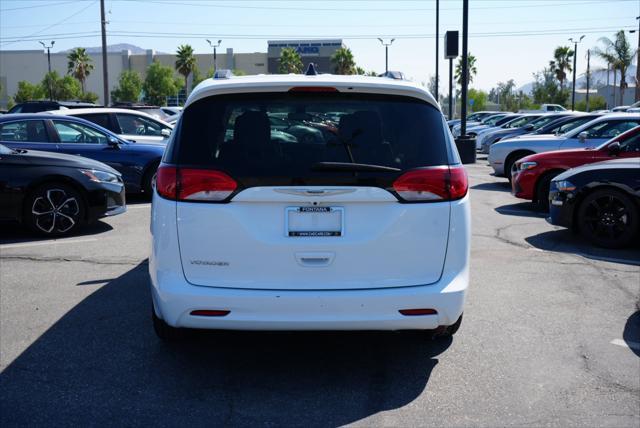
51,242
132,207
626,344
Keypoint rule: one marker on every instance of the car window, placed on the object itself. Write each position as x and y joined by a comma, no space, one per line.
132,124
101,119
70,132
572,125
33,131
610,129
16,109
517,123
631,144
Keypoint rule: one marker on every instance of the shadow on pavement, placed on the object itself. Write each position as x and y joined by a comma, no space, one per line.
565,241
138,198
631,332
16,233
102,364
495,186
521,209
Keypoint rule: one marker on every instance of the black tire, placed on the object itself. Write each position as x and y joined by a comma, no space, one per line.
164,331
511,159
54,209
542,191
608,218
148,180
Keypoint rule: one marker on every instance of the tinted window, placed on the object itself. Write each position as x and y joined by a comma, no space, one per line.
610,129
631,144
101,119
70,132
285,135
132,124
32,131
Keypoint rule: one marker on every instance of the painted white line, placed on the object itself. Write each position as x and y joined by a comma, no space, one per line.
41,243
133,207
626,344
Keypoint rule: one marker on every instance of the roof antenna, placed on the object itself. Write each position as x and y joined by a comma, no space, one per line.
311,70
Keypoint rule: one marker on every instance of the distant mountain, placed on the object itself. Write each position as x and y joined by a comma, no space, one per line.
135,50
598,78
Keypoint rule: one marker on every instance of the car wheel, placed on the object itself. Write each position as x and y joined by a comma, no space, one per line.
511,159
608,218
164,331
54,209
542,191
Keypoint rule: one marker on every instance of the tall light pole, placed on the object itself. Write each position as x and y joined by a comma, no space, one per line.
386,53
465,67
588,76
105,69
437,46
48,48
215,54
637,61
575,55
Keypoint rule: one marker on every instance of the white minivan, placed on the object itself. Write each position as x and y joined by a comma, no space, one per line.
258,228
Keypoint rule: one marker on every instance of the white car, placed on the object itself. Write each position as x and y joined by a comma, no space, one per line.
504,153
132,125
368,229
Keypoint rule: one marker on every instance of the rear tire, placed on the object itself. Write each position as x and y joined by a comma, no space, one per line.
164,331
511,159
54,209
608,218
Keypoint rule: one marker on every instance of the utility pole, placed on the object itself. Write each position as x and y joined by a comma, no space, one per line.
638,63
575,55
437,47
386,53
215,54
105,70
48,48
450,88
465,67
588,76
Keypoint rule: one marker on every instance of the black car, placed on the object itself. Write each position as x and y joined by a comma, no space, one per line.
565,123
38,106
55,194
599,200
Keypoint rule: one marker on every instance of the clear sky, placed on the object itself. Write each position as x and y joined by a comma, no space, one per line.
510,38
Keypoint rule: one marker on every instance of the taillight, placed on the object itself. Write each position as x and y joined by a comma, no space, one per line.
189,184
438,183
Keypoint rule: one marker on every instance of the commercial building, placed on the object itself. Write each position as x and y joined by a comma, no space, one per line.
318,52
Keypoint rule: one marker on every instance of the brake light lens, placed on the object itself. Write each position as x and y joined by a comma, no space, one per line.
189,184
313,89
438,183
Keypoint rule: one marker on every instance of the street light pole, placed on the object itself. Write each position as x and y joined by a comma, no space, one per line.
575,55
386,53
437,47
48,48
638,63
105,69
588,76
215,56
465,67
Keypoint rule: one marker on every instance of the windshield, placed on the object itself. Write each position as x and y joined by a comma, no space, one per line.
542,121
492,120
517,123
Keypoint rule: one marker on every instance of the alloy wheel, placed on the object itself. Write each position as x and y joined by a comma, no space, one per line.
55,211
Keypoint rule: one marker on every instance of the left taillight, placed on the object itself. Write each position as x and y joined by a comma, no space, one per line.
190,184
438,183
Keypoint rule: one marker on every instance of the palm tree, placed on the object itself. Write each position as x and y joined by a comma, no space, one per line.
471,66
561,64
619,54
290,61
343,61
79,65
185,63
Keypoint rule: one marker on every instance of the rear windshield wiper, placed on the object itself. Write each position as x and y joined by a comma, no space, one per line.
348,166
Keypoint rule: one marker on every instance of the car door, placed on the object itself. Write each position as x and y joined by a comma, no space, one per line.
600,132
12,183
28,134
138,128
82,140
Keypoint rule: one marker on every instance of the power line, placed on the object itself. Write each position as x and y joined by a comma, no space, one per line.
47,4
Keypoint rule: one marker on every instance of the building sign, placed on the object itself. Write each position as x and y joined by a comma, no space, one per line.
308,50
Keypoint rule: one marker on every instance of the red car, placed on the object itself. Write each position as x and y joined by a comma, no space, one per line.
532,174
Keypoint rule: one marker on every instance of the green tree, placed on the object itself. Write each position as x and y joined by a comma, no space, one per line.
619,54
343,61
129,87
361,71
290,61
79,65
62,88
185,63
479,99
596,102
239,72
546,90
27,91
372,73
159,83
471,66
89,97
561,63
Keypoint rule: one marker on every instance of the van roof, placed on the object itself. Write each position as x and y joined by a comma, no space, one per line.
284,82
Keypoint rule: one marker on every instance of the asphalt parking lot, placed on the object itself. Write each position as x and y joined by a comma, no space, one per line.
551,337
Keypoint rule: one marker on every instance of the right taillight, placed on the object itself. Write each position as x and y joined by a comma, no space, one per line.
438,183
190,184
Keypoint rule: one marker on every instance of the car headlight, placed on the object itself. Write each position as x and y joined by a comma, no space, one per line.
98,176
527,165
565,186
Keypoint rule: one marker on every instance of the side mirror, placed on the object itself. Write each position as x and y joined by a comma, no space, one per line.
583,136
165,133
614,148
113,143
528,127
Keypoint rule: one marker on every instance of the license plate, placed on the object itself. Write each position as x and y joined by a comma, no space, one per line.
314,221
